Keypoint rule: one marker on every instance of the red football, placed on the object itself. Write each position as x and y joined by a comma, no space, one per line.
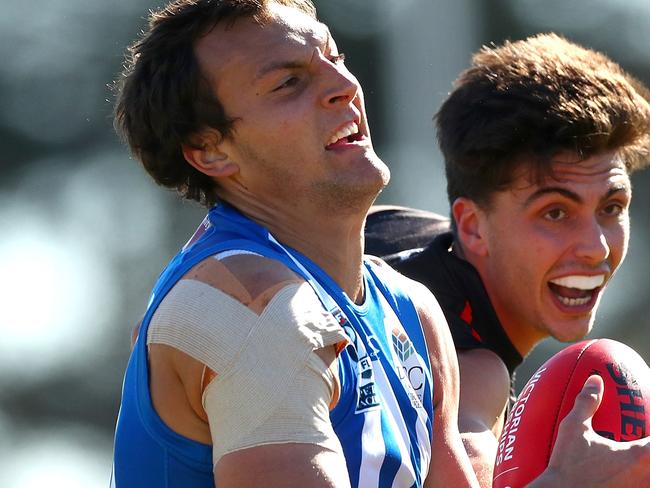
529,433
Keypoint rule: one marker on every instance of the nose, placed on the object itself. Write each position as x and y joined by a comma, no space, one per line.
341,86
592,245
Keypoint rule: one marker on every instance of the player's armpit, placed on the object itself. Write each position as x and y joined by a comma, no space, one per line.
450,465
484,388
175,389
134,332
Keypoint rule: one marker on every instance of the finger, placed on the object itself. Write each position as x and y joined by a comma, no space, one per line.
588,400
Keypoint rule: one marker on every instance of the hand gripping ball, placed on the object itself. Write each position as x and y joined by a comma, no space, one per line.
530,430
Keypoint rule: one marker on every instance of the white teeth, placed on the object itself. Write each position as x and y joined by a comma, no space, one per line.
348,130
572,302
580,282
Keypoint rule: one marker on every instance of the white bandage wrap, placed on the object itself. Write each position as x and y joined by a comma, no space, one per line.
271,387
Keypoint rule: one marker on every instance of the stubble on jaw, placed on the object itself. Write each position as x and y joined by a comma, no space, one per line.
343,198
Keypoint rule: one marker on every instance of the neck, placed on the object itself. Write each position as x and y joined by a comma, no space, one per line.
522,337
333,240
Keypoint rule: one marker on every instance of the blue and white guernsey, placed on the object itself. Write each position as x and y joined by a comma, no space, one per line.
385,411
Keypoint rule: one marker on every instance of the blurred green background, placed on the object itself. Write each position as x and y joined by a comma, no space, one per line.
84,232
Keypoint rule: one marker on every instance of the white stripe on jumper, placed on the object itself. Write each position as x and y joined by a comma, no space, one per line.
373,450
422,433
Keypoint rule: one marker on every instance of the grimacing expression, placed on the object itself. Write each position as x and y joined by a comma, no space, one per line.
300,126
552,247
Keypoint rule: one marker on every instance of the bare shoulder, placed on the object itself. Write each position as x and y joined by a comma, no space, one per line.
484,367
484,391
199,306
251,279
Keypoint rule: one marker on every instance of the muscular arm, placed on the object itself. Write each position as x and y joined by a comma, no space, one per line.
286,464
484,390
194,408
280,465
450,465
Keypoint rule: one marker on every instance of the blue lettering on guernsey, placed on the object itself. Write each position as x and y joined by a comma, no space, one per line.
362,365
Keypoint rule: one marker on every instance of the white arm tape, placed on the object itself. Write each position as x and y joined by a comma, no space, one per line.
270,387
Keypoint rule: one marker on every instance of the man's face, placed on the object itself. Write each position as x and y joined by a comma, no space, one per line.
552,247
300,133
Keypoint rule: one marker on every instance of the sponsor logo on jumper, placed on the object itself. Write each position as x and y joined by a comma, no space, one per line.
367,398
340,317
402,344
410,370
362,363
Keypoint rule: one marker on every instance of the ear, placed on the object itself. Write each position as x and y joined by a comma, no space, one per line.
469,218
206,154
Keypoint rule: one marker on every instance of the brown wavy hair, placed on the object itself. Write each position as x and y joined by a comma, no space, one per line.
163,98
524,102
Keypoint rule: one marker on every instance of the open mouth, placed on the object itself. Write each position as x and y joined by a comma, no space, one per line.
346,134
576,290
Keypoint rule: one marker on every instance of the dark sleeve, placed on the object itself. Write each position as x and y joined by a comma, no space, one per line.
456,308
390,230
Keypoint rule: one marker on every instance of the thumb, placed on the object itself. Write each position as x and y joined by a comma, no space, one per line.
588,400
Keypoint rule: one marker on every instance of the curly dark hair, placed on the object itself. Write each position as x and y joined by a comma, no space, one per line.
524,102
163,98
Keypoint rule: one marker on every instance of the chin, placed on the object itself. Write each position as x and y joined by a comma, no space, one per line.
375,165
371,184
345,200
574,331
383,168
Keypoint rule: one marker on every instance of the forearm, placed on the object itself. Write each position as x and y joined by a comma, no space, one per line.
484,388
450,464
481,448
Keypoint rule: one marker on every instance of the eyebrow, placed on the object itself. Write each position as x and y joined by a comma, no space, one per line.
571,195
284,64
276,66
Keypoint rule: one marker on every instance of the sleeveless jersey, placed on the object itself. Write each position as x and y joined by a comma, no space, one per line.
385,412
419,244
